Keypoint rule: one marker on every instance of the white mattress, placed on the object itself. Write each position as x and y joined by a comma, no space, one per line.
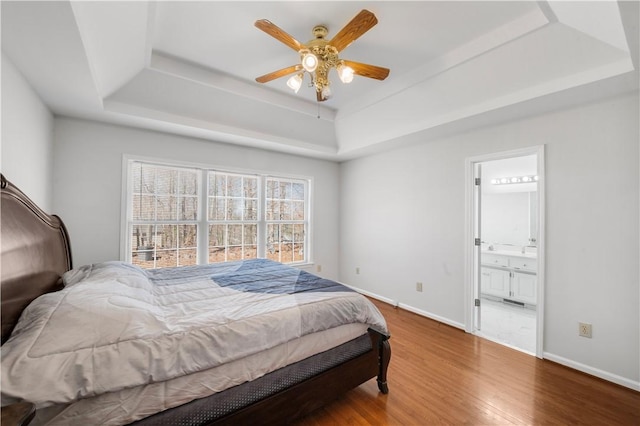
132,404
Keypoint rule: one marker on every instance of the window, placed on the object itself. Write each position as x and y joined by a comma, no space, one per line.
233,217
180,216
285,217
164,216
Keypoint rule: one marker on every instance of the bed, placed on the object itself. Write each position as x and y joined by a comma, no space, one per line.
110,343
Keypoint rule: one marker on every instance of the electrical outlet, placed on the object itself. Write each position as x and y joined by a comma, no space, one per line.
357,271
418,286
319,268
584,329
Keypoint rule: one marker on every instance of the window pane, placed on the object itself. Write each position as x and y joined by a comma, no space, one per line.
217,208
189,183
272,189
188,257
250,252
286,253
251,187
217,254
235,209
234,186
251,210
285,190
298,233
297,208
273,252
142,237
166,181
285,210
273,210
234,253
235,235
217,184
297,191
166,237
298,252
188,208
166,207
147,179
166,258
286,233
217,235
273,233
250,234
187,236
144,207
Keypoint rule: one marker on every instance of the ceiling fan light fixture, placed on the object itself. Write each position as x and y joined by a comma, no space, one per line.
345,73
319,55
309,61
295,82
326,92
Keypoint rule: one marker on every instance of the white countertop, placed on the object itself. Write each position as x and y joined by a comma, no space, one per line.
513,253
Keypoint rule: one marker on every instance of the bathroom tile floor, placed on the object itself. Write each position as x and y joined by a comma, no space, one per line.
510,325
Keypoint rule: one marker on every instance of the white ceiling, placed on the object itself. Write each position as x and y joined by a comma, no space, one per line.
189,67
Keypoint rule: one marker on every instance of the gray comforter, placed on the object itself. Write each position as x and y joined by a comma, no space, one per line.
116,326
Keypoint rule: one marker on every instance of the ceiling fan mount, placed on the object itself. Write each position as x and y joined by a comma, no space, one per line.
320,31
319,55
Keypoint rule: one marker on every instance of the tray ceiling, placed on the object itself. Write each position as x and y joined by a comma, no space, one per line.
189,67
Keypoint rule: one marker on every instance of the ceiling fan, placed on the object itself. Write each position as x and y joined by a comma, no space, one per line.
319,55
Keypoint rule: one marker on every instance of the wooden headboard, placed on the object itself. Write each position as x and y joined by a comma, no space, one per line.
35,253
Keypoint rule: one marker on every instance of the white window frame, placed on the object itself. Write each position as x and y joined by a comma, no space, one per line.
203,222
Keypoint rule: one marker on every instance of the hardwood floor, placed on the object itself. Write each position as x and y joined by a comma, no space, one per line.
441,375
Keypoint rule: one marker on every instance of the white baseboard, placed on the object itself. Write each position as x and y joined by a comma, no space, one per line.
605,375
432,316
622,381
408,307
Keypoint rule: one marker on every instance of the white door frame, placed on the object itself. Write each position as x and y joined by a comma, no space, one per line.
469,246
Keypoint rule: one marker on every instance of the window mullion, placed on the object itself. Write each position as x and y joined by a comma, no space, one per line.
262,224
203,222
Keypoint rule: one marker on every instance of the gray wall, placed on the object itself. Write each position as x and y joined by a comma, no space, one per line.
402,220
27,137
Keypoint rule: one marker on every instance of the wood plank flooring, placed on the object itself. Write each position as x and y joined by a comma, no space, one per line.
441,375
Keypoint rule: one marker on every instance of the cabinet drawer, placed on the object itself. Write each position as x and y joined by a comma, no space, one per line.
494,260
524,264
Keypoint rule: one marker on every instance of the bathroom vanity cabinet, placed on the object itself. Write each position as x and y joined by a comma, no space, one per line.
510,276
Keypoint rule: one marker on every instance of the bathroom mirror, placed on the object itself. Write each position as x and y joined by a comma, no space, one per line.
510,218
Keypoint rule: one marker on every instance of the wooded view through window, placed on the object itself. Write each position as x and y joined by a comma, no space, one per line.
243,216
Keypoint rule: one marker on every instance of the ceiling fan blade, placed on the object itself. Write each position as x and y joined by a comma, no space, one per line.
276,32
359,25
366,70
280,73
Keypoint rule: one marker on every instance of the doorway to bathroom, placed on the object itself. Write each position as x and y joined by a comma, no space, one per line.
505,252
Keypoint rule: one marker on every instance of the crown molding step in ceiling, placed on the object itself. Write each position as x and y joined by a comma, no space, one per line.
190,67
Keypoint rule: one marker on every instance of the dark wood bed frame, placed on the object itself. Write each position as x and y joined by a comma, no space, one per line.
35,254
